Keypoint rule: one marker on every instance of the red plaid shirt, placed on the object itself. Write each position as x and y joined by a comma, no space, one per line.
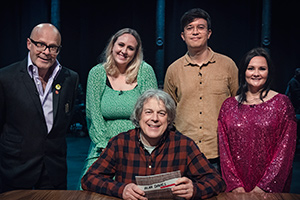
125,157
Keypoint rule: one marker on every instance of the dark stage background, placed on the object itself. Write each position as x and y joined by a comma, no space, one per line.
87,25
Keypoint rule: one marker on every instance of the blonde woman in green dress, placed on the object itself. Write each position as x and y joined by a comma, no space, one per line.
113,88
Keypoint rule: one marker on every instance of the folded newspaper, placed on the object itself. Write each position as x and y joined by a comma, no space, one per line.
158,186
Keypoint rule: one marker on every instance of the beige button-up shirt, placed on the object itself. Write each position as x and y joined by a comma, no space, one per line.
199,92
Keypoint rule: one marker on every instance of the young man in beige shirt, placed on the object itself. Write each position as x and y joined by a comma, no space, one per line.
199,82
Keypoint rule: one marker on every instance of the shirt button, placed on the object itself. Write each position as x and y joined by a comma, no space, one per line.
149,166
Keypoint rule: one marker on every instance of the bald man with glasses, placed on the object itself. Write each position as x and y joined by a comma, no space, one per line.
36,100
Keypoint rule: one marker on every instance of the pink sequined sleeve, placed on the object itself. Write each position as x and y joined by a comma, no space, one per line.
280,167
228,169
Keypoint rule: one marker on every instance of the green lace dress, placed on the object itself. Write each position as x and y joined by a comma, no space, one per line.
108,111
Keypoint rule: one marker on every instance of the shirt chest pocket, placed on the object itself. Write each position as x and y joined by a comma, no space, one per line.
217,85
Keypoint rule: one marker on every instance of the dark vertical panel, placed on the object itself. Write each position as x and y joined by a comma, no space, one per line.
160,39
266,25
55,13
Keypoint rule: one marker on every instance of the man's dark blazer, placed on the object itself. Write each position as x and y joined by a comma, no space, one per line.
25,145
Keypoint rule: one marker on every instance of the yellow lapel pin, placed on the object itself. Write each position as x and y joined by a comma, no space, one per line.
57,86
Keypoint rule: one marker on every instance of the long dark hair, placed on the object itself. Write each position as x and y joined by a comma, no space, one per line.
243,88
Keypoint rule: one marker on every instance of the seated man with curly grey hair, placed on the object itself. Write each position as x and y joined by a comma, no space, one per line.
152,148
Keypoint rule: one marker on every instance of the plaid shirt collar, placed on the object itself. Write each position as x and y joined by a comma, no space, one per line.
162,140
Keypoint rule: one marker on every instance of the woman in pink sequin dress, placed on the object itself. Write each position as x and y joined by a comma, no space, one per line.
257,131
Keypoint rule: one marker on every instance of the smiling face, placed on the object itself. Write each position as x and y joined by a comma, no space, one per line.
196,33
124,49
48,35
256,73
153,121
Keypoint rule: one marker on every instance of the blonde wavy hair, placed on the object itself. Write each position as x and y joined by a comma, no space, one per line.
133,66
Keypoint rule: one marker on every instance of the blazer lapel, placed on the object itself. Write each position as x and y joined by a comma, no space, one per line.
57,86
30,87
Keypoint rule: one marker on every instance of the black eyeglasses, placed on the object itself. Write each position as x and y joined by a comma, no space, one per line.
42,47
